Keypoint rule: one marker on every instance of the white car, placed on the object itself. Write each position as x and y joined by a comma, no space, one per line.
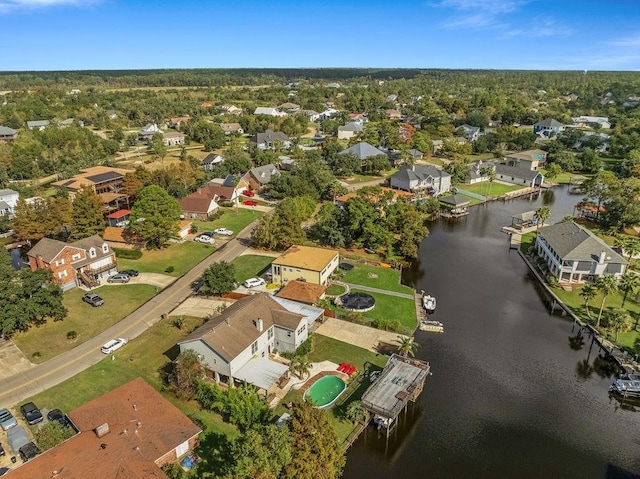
205,239
223,232
253,282
112,345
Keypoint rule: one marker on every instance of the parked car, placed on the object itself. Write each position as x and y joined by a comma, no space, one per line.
248,193
253,282
4,470
28,451
7,421
118,278
113,345
223,232
93,299
197,284
31,413
250,203
56,415
205,239
207,233
130,272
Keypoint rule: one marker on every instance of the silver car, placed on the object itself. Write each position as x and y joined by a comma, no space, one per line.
7,421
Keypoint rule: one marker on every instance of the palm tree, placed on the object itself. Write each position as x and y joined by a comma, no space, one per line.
606,285
492,177
588,292
628,245
629,283
542,214
301,366
567,219
618,321
407,346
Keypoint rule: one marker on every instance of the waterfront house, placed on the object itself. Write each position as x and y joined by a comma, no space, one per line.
519,176
305,263
480,171
72,264
417,178
529,159
575,254
130,432
238,344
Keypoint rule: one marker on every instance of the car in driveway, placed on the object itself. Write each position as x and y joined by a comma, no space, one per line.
223,232
31,413
7,421
28,451
207,233
57,416
132,273
250,203
248,193
93,299
113,345
118,278
205,239
254,282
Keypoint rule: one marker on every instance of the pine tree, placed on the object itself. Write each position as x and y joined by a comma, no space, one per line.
87,215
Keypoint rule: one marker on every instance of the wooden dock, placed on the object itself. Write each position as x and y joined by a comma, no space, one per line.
515,240
421,314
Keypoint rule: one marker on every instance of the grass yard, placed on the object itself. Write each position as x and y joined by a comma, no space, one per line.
497,189
182,256
235,220
143,357
250,265
335,290
528,239
392,308
472,201
387,278
432,160
354,179
50,339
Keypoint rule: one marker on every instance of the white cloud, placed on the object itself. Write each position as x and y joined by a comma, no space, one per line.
478,13
632,41
539,28
7,6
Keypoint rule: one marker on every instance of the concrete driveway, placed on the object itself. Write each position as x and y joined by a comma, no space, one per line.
200,307
154,279
356,334
12,360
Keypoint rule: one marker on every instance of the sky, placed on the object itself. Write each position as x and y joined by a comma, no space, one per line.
493,34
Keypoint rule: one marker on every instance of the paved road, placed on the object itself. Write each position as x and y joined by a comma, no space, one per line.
50,373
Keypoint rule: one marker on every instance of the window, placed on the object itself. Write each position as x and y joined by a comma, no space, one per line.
76,257
62,274
60,262
289,334
105,248
270,333
92,253
254,348
182,449
301,330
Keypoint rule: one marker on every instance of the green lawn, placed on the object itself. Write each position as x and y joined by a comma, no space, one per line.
353,179
392,308
50,339
250,266
497,189
335,290
235,220
528,239
182,256
387,278
433,160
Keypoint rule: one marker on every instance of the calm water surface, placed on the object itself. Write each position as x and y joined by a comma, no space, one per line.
514,391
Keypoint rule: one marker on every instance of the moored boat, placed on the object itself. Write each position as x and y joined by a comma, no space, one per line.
626,387
429,302
431,326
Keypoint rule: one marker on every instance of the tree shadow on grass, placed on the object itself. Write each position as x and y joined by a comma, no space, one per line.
215,456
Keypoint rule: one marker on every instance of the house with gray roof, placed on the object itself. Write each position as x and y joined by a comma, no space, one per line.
267,140
471,133
38,124
575,254
147,132
8,201
519,176
260,176
211,160
529,159
480,171
363,150
416,178
7,134
238,344
349,130
548,127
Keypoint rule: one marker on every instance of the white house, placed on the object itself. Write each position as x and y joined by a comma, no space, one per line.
38,124
519,176
173,138
8,201
270,111
592,122
349,130
421,177
574,254
471,133
238,344
147,131
211,160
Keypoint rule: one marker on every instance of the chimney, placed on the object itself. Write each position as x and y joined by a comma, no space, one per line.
603,257
135,407
102,430
259,324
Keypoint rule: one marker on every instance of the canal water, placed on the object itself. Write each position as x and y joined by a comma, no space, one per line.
515,391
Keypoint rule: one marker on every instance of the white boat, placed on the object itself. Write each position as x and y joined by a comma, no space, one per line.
429,302
626,387
431,326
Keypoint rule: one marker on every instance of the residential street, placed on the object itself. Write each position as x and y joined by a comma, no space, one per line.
46,375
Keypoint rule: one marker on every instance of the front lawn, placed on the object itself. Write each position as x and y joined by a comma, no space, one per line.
250,266
233,219
497,189
181,256
528,239
387,279
50,339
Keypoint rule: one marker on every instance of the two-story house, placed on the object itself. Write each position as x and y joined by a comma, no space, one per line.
268,139
471,133
305,263
415,178
72,264
8,201
548,128
574,254
237,345
257,178
529,159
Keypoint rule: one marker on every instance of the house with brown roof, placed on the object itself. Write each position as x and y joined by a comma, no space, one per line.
81,262
117,237
305,263
177,121
230,128
198,206
130,432
105,181
393,114
303,292
238,344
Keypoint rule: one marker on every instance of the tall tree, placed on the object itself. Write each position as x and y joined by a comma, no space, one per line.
157,147
87,214
618,321
587,293
629,283
261,452
155,216
407,346
542,214
219,278
606,284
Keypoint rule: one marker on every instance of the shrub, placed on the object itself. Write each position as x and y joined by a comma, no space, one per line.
169,269
194,229
178,322
127,253
36,354
215,215
71,335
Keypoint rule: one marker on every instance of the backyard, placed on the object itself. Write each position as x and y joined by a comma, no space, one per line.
44,342
175,260
250,265
497,189
387,279
231,218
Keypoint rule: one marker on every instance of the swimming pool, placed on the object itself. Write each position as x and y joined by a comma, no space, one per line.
324,392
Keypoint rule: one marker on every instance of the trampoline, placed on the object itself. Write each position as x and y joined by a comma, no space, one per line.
359,302
345,266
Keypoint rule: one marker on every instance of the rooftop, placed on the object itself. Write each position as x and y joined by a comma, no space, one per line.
575,243
302,291
306,257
